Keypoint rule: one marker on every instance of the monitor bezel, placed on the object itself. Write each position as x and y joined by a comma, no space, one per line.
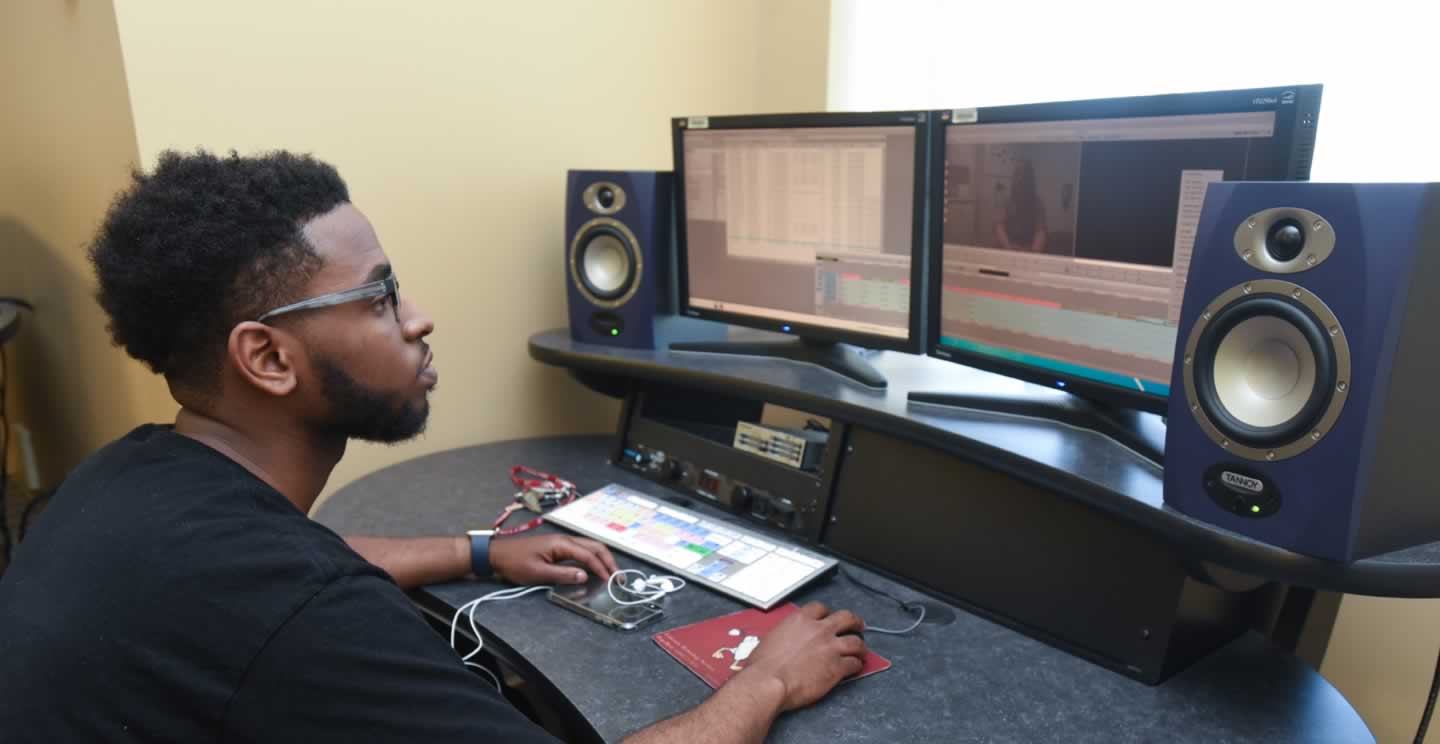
1297,149
914,340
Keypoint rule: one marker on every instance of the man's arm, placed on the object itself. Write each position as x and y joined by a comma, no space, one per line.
796,664
416,561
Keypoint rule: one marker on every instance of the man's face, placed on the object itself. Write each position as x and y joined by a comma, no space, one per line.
371,375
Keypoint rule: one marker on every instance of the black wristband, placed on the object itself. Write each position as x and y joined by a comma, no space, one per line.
480,552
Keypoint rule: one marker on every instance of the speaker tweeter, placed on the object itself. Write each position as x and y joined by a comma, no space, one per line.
1284,240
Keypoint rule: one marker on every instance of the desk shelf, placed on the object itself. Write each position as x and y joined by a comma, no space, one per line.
1078,464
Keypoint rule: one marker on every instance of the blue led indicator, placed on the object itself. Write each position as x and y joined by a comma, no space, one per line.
1060,383
785,328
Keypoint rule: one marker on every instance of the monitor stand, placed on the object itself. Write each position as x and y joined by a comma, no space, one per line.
1124,425
838,358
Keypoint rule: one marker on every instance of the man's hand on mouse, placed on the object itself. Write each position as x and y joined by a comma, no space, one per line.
541,559
807,654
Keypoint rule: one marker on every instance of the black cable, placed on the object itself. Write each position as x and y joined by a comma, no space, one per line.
30,508
906,606
4,460
6,544
1429,704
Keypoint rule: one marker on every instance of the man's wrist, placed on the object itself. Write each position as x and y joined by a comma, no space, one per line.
766,692
480,546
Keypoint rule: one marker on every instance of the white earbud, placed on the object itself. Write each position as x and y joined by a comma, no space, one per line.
645,588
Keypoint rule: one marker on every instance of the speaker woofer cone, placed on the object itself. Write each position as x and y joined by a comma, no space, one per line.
605,262
1266,370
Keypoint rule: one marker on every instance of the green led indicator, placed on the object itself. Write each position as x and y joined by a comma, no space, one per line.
614,331
1255,509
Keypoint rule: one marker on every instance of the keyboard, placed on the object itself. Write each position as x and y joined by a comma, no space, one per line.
734,561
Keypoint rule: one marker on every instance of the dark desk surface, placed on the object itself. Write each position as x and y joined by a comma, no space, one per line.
969,680
1082,464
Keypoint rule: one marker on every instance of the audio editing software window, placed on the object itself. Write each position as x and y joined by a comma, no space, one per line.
805,225
1066,243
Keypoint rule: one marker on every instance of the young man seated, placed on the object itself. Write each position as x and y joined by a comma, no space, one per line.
175,589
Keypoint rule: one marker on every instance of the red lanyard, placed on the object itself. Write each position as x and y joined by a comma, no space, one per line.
539,481
536,490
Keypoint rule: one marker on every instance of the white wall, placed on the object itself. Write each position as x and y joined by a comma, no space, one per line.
1375,61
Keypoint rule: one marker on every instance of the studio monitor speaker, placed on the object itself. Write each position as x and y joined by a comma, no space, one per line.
617,255
1304,405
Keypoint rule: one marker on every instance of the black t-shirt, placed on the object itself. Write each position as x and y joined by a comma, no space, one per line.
166,594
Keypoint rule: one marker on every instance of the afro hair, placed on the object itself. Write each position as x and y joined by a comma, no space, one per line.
202,243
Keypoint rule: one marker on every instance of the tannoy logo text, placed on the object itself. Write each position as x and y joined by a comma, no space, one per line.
1236,480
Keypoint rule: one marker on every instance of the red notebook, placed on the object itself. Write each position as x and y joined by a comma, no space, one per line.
717,648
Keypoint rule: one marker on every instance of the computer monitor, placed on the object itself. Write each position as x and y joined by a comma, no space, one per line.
1065,229
806,224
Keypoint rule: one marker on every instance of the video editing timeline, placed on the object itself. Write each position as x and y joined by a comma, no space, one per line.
729,559
1066,243
809,225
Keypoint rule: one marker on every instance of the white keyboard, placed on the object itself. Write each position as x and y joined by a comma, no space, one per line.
729,559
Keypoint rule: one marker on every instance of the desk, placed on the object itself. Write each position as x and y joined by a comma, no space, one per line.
969,680
1081,466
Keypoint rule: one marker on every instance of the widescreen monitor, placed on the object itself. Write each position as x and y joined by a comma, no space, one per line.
805,224
1064,230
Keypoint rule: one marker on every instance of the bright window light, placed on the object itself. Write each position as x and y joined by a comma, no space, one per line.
1377,117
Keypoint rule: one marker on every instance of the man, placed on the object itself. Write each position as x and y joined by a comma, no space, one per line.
175,590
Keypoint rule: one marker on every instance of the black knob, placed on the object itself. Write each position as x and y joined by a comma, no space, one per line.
740,497
675,469
605,197
1285,240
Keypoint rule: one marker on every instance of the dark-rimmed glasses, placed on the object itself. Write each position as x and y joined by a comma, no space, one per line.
388,286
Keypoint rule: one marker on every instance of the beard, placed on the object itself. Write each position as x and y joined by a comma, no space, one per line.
358,412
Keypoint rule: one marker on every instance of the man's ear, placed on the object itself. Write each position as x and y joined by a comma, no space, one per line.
264,357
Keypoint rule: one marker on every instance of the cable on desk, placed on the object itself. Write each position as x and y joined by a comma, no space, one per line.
1429,704
906,606
513,592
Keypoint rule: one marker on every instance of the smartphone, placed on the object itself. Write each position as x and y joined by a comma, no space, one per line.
593,601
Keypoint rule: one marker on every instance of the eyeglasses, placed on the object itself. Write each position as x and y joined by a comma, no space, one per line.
388,286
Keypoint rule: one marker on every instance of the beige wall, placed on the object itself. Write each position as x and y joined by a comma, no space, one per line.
454,123
794,50
1382,658
66,145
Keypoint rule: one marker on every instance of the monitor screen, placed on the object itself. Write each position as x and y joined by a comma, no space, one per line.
806,224
1066,229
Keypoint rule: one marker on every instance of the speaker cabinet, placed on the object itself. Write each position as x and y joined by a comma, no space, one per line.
618,255
1303,400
